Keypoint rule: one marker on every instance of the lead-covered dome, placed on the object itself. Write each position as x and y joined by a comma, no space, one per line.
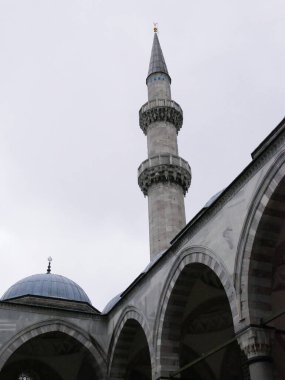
47,285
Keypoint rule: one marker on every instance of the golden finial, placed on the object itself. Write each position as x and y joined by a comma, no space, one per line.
155,28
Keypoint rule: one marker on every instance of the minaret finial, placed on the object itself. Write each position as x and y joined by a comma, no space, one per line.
155,28
49,265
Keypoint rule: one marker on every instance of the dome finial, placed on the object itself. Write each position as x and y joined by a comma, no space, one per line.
155,28
49,265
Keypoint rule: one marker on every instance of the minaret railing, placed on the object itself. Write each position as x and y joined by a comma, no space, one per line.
164,168
160,110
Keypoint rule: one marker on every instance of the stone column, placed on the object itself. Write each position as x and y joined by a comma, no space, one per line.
256,344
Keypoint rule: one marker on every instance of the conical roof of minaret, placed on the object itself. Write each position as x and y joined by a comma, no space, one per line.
157,62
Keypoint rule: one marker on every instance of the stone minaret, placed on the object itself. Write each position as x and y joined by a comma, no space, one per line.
164,177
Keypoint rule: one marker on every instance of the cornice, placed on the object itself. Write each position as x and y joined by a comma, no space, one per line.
46,310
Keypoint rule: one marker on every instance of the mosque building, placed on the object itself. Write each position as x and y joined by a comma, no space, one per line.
210,304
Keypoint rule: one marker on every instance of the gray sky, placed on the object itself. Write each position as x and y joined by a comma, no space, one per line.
72,76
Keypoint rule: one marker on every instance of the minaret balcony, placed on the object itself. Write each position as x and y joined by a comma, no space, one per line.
160,110
165,168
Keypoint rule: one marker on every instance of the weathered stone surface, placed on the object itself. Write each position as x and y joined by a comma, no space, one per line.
166,215
156,86
161,139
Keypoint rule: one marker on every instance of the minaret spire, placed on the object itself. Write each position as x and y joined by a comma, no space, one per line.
157,62
164,177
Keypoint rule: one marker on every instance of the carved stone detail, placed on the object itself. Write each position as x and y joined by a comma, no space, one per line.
160,110
256,342
164,168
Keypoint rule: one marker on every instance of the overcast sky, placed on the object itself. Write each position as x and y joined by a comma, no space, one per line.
72,79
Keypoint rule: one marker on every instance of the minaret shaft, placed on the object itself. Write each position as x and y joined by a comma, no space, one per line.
166,212
162,138
158,86
164,177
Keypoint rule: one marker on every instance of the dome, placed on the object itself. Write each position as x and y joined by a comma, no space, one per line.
47,285
111,303
213,198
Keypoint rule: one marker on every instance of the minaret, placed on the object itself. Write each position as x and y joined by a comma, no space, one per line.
164,177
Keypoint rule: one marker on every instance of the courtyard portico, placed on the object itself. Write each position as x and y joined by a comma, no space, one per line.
208,306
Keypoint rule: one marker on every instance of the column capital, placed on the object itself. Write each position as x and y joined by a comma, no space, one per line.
256,343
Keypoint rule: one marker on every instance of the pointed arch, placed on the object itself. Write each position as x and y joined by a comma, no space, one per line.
255,265
52,326
130,322
193,263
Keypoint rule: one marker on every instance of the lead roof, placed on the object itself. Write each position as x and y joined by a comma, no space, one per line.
157,62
